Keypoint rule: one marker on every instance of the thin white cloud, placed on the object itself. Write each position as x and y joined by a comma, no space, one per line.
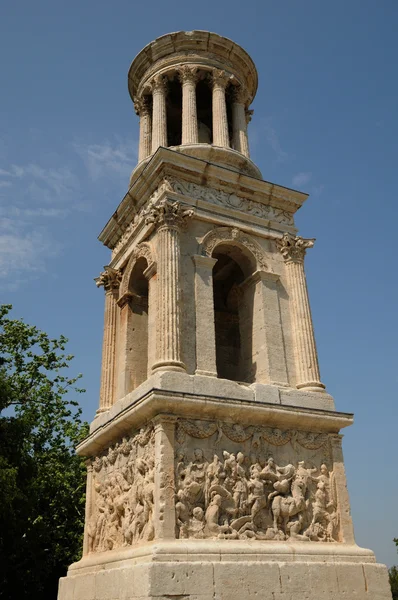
272,138
301,178
4,184
105,158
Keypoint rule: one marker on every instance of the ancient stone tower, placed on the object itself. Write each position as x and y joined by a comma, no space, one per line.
215,468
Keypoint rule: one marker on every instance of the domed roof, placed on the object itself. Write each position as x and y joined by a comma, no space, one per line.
202,47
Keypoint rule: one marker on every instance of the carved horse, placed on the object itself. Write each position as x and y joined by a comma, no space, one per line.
284,507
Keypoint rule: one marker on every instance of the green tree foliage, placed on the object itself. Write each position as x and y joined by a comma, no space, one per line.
393,575
42,481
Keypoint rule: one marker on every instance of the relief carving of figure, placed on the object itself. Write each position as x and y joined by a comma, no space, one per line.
237,497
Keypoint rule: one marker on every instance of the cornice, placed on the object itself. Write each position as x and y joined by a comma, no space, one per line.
168,163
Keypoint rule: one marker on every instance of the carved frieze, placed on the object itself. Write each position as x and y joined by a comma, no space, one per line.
237,482
123,490
221,198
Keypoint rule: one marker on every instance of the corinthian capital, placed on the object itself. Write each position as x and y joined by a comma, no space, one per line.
110,279
220,78
239,95
159,84
188,73
168,214
293,248
141,106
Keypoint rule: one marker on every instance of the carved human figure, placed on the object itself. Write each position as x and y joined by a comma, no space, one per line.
214,476
197,524
240,489
257,498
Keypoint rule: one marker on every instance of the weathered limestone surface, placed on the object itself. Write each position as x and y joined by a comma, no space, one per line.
215,464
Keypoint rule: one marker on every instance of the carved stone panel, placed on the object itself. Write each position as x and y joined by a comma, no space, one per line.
123,493
236,482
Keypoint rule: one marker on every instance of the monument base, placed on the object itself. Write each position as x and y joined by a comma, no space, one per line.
228,570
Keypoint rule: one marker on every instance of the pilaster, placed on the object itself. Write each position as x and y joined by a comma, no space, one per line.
164,477
340,488
268,343
205,329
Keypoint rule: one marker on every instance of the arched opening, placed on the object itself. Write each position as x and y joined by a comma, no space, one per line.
204,111
174,113
233,314
138,324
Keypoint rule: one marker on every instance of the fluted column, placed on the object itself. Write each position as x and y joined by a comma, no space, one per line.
293,250
239,123
159,120
168,218
220,122
110,280
188,77
142,109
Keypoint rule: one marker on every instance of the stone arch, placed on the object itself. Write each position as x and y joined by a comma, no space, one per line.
143,250
236,237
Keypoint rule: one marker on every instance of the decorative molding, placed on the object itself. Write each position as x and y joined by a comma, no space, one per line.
221,198
293,248
236,237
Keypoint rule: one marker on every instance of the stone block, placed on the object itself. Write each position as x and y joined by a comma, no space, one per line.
107,584
351,581
179,579
266,393
234,581
376,581
84,587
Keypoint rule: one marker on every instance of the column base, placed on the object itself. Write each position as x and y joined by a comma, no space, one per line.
228,570
311,386
169,366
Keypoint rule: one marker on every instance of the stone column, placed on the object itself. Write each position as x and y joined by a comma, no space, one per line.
164,477
205,327
340,488
220,122
168,217
110,279
293,250
159,120
142,109
239,123
89,506
188,77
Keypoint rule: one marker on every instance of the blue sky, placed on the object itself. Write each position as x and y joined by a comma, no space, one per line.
325,122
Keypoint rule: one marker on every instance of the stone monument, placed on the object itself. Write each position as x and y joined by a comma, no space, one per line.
215,468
